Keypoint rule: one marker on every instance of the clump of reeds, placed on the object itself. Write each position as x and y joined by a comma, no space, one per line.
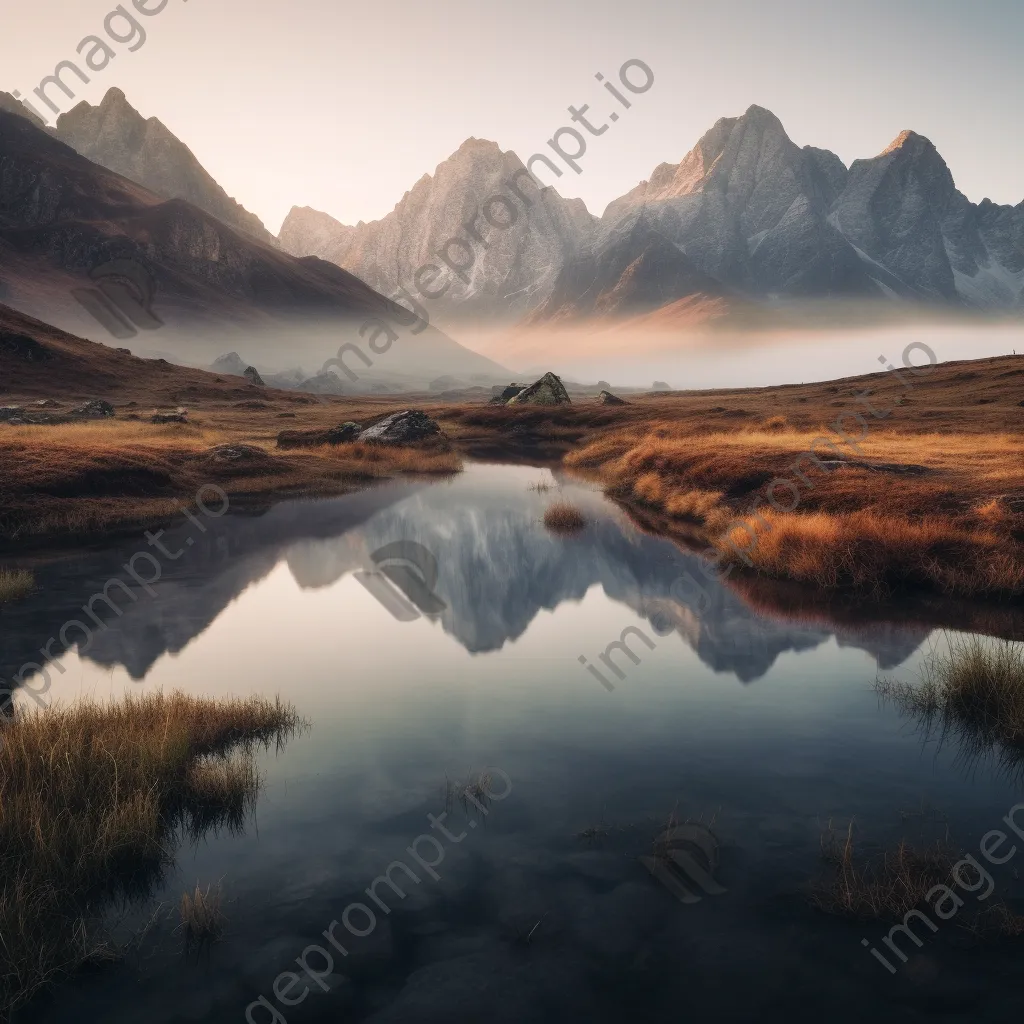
474,790
201,916
563,517
973,693
15,584
92,797
888,886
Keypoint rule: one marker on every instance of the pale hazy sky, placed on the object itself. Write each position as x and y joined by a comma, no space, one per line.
343,106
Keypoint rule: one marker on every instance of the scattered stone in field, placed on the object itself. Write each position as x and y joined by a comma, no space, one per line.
286,415
549,390
401,428
607,398
47,403
237,453
124,351
9,412
96,408
178,416
251,405
254,376
660,385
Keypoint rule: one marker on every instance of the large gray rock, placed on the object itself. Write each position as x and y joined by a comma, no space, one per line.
549,390
500,395
253,376
607,398
401,428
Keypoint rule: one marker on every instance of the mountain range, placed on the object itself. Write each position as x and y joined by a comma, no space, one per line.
745,215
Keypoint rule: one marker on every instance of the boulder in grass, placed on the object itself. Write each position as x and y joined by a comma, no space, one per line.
253,376
10,412
549,390
607,398
660,385
96,409
344,433
402,428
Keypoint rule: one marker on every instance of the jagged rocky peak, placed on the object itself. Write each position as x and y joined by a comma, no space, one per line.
904,139
504,271
116,136
14,106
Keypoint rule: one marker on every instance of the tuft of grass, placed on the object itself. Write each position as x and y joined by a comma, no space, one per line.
564,517
15,584
887,887
92,798
974,694
201,917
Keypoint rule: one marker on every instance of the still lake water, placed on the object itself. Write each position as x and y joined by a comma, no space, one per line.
770,726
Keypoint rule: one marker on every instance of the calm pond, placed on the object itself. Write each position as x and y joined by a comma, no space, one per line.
764,728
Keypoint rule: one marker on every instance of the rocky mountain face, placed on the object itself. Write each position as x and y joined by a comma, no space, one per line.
903,212
513,268
116,136
746,214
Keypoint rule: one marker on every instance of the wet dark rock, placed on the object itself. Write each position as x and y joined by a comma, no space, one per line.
96,408
549,390
401,428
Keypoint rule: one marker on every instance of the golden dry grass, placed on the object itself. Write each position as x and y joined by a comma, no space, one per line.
15,584
95,477
201,916
564,517
956,526
972,694
92,797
